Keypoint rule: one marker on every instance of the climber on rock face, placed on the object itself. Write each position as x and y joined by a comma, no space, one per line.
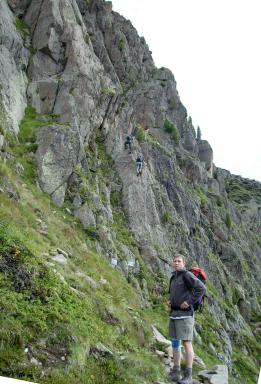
129,142
139,162
184,291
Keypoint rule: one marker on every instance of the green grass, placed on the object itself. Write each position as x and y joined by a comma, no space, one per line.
140,135
244,366
200,193
87,38
241,191
228,221
25,146
206,355
26,143
108,91
121,44
28,128
22,27
30,123
44,308
165,217
171,129
209,327
135,369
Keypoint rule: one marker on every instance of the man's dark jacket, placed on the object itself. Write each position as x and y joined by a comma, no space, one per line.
184,286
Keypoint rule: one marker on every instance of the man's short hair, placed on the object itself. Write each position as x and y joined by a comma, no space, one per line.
179,255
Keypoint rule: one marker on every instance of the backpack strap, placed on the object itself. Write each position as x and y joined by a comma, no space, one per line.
185,281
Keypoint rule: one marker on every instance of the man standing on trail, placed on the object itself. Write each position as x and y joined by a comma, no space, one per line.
185,289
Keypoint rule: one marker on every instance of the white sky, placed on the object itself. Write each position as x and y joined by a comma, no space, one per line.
213,49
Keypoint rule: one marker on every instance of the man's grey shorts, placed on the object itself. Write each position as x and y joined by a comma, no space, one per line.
181,329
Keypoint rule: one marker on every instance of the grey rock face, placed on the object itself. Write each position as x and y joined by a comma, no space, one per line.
56,156
18,6
43,95
214,186
116,43
48,27
13,63
206,155
86,216
67,80
252,214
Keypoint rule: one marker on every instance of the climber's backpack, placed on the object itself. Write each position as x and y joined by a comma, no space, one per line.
201,275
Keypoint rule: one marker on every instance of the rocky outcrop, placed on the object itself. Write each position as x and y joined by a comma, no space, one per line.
14,56
217,375
206,156
56,145
68,80
117,44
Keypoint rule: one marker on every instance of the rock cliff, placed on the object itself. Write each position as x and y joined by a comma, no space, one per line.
76,79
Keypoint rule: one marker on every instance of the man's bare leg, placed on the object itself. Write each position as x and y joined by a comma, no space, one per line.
176,358
189,353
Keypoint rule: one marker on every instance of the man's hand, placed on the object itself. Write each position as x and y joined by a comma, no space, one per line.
169,304
184,305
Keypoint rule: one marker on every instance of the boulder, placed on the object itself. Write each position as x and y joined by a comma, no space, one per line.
2,141
59,258
217,375
159,337
100,350
86,216
199,362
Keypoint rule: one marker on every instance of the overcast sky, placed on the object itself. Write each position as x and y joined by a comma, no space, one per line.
213,49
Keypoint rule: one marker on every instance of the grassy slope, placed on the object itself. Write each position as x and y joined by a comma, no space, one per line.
43,312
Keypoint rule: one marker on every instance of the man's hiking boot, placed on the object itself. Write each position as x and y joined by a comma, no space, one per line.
175,374
187,378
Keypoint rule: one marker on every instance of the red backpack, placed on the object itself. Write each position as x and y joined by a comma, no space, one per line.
201,275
